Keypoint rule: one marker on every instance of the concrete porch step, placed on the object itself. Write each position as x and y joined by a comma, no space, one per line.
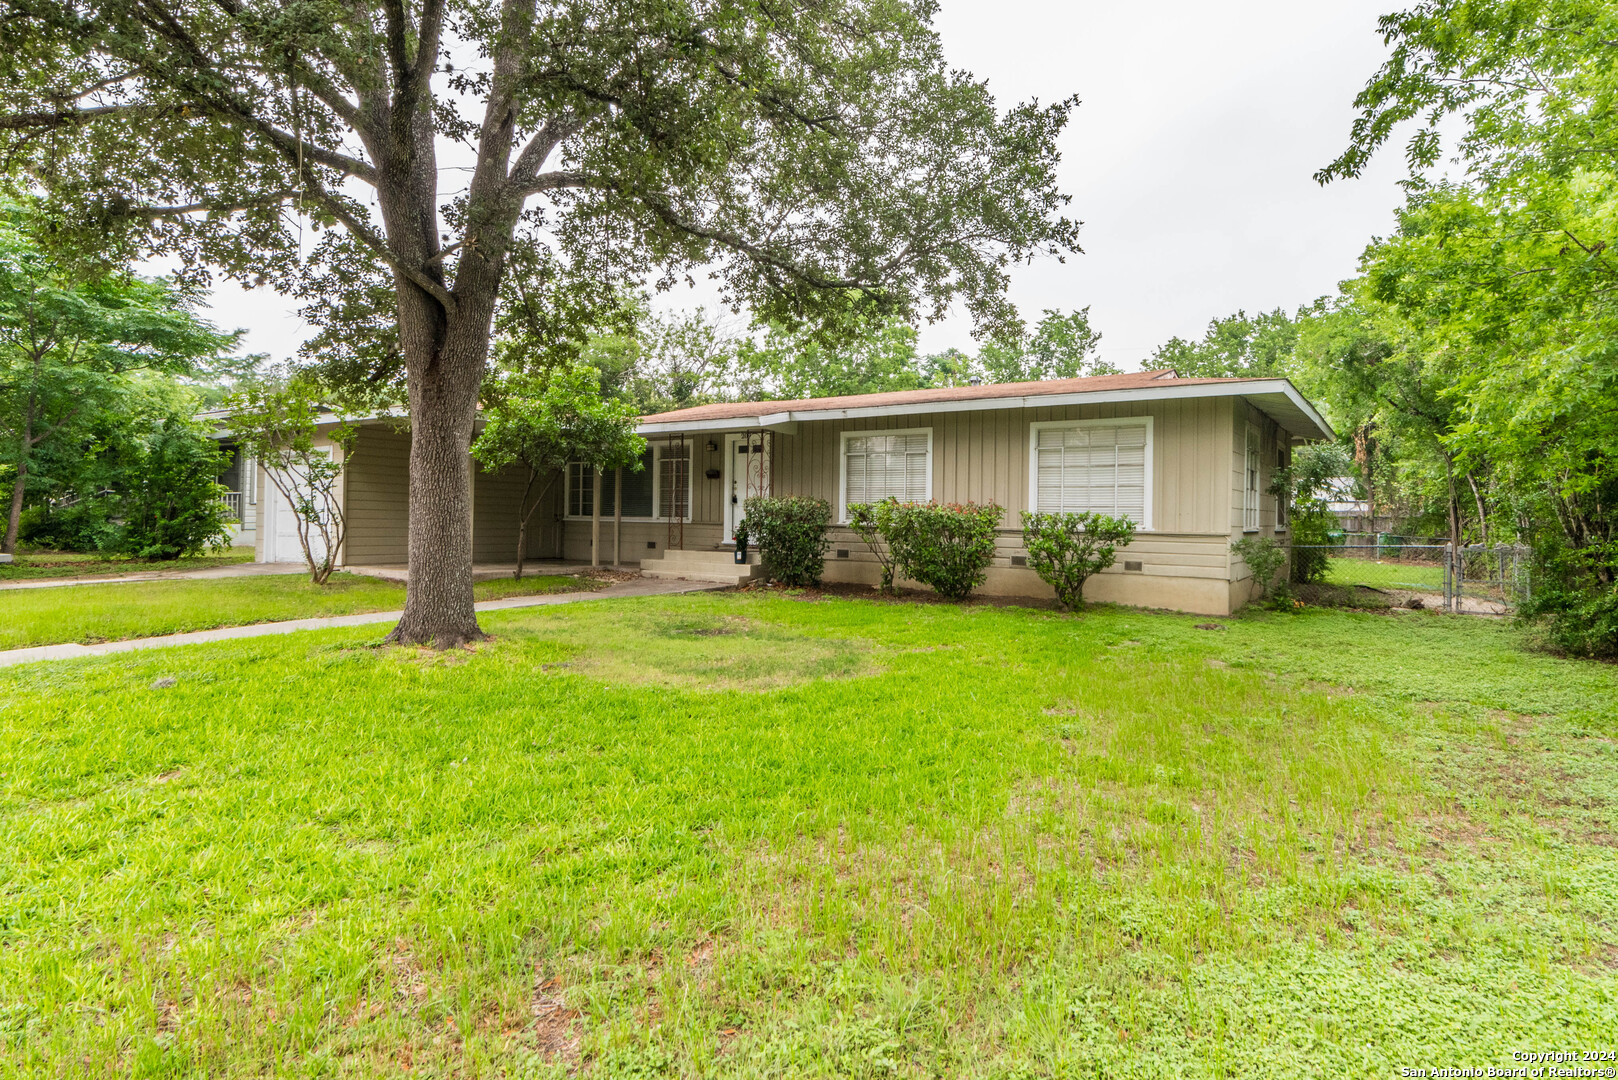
717,566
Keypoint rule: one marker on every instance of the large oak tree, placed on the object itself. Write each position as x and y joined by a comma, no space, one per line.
818,155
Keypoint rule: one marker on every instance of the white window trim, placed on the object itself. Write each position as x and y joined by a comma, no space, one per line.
1112,421
657,489
1252,451
842,461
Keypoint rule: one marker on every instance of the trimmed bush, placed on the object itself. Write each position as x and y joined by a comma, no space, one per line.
1066,549
790,534
946,545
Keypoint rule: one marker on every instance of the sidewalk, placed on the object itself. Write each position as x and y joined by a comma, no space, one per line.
638,587
251,569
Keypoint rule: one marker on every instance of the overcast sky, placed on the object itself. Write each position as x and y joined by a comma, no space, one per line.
1189,160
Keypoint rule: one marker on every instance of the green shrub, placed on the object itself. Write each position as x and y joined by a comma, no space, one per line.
1573,604
175,506
1065,549
1264,557
874,523
87,525
790,534
946,545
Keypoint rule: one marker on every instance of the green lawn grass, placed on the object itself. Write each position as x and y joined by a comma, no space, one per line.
39,565
739,836
91,613
1384,575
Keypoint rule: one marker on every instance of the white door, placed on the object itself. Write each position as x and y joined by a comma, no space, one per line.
747,473
281,528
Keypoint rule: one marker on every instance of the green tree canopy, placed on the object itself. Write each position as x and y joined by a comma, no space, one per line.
1237,346
69,347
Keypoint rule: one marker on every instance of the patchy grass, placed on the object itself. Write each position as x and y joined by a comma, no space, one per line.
885,840
91,613
42,565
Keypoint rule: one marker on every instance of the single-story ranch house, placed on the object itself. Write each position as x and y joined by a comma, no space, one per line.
1189,460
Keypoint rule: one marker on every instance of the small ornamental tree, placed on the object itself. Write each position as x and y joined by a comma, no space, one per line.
175,505
542,422
1066,549
948,546
277,422
873,522
790,533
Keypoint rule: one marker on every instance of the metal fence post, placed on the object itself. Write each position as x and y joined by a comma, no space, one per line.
1448,577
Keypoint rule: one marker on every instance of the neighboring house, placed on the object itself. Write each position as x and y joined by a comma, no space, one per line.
1189,460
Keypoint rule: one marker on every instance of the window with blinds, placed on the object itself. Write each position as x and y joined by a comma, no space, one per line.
1250,489
1092,468
887,465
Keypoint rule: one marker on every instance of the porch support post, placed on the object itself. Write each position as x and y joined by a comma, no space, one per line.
617,516
595,522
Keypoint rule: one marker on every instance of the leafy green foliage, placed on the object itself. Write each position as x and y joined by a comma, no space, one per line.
278,421
1066,549
874,523
790,533
1264,557
1060,347
544,421
1572,607
72,348
174,506
1304,486
948,546
879,355
1240,346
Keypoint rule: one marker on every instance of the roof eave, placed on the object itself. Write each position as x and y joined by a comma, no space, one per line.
1255,389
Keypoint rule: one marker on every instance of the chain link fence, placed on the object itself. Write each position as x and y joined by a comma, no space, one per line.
1475,579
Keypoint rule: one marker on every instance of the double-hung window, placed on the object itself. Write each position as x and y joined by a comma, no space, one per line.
1250,484
879,465
1093,466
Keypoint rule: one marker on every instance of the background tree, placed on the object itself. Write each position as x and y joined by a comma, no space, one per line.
544,422
1060,347
879,356
69,348
277,421
822,156
175,505
1237,346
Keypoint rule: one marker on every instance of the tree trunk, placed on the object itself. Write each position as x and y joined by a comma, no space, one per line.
443,407
14,519
523,514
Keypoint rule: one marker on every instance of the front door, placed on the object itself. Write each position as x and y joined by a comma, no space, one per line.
747,473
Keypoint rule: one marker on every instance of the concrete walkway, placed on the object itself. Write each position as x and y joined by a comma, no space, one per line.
638,587
251,569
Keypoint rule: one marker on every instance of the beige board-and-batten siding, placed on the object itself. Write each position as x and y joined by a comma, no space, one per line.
984,456
377,492
1271,439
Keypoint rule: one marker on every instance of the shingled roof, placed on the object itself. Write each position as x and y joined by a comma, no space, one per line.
1277,397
